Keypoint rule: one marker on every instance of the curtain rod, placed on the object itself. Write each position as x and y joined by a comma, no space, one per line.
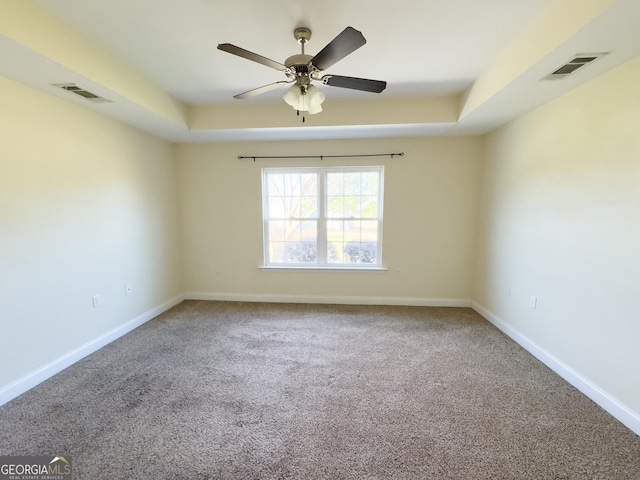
322,157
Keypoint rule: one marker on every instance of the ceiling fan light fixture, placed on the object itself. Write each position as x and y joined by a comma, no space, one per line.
305,99
293,96
316,97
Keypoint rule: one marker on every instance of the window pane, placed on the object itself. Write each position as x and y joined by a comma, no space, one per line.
352,207
352,252
335,231
369,252
360,253
276,207
276,184
276,252
335,252
335,184
370,183
292,231
352,231
300,252
335,207
292,185
292,207
369,207
309,182
309,231
309,207
352,183
276,231
369,231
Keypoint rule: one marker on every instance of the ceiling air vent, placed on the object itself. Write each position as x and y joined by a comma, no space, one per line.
572,65
73,88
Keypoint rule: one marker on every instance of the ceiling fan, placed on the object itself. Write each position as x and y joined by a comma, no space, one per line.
302,69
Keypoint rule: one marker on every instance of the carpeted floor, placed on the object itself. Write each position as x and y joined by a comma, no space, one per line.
275,391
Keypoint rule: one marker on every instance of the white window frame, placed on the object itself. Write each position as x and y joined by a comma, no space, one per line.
322,262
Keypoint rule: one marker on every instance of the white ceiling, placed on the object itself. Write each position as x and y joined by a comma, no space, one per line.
422,46
424,49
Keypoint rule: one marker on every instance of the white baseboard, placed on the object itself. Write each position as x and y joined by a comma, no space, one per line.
333,300
622,413
29,381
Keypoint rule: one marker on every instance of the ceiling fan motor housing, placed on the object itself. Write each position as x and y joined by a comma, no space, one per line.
300,64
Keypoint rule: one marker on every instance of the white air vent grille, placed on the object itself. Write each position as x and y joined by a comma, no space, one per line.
73,88
572,65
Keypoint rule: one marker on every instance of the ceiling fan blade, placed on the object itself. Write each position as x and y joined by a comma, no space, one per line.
254,57
348,41
375,86
260,90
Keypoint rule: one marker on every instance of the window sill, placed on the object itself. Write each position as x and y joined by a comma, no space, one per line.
324,268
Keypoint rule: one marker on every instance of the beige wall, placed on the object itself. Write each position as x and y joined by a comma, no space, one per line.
560,220
429,227
86,205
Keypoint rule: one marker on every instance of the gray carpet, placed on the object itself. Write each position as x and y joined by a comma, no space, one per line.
274,391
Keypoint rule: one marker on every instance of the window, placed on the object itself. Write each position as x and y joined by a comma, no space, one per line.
323,217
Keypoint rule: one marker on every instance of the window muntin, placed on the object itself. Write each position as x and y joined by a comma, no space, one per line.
323,217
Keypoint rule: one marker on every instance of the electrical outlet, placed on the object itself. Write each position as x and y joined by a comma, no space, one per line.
96,300
533,302
128,288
